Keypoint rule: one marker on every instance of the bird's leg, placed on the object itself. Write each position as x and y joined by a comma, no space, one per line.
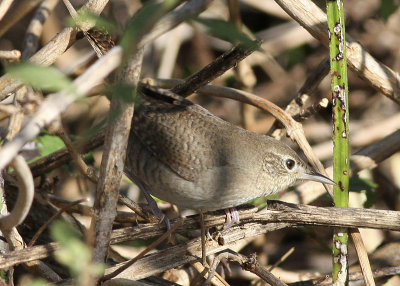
232,217
203,239
156,210
153,205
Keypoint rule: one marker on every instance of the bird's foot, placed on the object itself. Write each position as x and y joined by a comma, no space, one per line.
208,235
165,219
152,205
232,217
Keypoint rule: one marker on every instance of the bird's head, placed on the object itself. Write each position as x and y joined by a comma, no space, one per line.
282,167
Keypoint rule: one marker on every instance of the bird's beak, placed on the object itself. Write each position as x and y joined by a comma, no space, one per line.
313,176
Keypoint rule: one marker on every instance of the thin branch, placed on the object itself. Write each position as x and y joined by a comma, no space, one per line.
28,254
210,72
278,216
18,214
247,263
56,215
112,164
217,280
191,251
4,6
13,55
170,53
311,110
294,108
353,276
24,199
362,257
122,217
136,208
87,171
8,109
144,252
63,156
35,28
16,14
282,259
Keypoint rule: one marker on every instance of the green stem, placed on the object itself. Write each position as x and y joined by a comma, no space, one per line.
340,113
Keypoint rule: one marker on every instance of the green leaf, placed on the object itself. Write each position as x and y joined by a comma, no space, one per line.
74,253
45,144
296,55
358,184
89,158
261,202
366,186
140,23
372,198
387,8
228,32
160,201
125,91
143,21
4,278
48,79
63,233
48,144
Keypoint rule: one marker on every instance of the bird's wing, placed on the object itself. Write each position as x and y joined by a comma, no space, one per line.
179,133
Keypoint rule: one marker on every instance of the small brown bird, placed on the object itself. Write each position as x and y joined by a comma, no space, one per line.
183,154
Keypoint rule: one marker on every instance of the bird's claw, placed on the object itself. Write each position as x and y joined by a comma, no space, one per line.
165,219
232,217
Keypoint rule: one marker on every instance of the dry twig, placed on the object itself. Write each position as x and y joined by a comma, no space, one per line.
144,252
278,216
87,171
35,28
247,263
112,164
20,10
353,276
13,55
56,215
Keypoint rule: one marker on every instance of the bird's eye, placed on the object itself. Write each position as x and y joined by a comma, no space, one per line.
290,164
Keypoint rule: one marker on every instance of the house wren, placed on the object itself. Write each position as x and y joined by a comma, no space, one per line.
183,154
